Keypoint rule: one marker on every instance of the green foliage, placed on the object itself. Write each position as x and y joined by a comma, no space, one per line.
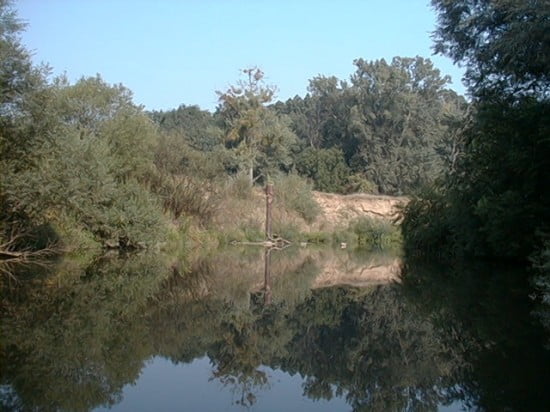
183,195
375,233
358,183
399,121
494,201
325,167
87,170
259,138
426,228
276,145
252,231
295,194
393,123
503,44
75,236
198,128
24,94
541,281
173,155
287,230
135,217
74,158
239,186
74,182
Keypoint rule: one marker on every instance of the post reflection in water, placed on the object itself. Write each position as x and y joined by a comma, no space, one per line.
78,339
267,276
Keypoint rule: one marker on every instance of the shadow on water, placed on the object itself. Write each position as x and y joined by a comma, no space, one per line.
347,323
485,312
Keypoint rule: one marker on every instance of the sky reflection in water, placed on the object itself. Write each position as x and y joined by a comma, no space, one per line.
135,334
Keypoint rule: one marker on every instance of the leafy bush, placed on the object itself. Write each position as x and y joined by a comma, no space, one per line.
135,217
186,195
325,167
238,186
174,155
295,194
375,233
358,183
79,176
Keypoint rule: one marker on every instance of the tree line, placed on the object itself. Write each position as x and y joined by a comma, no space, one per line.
493,202
388,130
83,166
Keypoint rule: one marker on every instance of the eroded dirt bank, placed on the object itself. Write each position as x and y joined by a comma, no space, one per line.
336,211
339,210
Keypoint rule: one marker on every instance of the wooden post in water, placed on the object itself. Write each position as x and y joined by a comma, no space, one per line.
268,203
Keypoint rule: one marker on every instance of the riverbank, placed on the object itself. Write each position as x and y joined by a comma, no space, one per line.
301,216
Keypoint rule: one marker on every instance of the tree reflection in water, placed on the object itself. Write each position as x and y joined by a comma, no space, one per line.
72,339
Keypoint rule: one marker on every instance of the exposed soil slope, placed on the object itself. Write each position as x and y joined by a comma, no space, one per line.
339,210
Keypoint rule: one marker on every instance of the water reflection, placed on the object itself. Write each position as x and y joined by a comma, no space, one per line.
72,339
484,312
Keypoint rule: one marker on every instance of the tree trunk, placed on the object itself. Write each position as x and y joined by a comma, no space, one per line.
268,203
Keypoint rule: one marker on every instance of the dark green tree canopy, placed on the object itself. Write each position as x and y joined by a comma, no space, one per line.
197,127
393,121
504,44
326,167
494,201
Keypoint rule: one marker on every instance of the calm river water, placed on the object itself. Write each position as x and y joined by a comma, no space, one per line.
293,330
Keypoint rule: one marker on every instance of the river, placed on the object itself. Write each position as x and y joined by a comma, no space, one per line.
300,329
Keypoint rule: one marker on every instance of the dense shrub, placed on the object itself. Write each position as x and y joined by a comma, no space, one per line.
294,192
375,233
87,169
185,195
325,167
238,186
358,183
425,226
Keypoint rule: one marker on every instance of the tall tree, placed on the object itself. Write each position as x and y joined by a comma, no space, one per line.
26,120
393,122
495,200
329,105
305,118
399,121
252,130
24,93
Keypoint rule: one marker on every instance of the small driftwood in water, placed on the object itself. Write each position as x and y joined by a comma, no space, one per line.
274,243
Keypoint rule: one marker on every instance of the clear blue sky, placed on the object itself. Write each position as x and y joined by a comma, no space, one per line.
172,52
